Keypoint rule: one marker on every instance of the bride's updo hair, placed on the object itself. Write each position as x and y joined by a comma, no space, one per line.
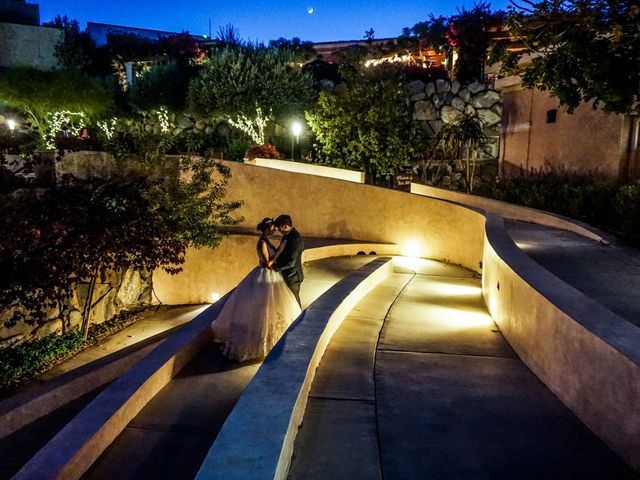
265,224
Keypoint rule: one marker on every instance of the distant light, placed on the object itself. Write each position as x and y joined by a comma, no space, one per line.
215,297
296,128
11,124
309,10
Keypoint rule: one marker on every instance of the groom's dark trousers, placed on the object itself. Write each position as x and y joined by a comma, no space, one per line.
290,262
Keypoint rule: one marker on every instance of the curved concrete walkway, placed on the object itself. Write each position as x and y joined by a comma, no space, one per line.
609,274
170,437
418,382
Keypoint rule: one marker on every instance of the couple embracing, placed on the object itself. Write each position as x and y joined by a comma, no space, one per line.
267,300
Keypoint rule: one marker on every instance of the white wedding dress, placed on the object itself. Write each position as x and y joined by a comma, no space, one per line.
256,314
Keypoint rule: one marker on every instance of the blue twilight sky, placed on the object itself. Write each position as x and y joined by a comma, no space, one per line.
260,20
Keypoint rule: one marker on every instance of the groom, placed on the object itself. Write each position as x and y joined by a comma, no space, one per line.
290,260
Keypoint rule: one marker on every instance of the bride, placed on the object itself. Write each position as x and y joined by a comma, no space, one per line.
260,308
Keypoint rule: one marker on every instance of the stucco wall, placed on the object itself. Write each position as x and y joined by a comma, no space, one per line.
587,140
327,208
584,353
26,45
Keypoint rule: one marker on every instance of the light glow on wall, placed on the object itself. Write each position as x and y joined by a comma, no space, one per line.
410,249
215,296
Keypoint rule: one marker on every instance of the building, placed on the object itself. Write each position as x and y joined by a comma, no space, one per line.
19,12
537,133
100,31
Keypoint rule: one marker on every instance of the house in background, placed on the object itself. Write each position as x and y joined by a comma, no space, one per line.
537,133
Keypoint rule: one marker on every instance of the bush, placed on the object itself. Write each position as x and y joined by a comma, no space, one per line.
607,204
262,151
29,359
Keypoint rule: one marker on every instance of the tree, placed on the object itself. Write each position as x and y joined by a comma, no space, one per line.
54,236
461,140
583,51
369,126
303,51
49,97
250,86
470,34
76,48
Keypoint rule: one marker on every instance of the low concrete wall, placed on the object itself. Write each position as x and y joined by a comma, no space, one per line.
508,210
210,273
309,169
79,444
256,441
587,355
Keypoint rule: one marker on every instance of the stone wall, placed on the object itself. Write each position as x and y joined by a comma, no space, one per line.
114,293
441,102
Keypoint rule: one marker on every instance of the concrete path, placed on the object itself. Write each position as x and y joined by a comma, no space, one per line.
170,437
419,383
609,274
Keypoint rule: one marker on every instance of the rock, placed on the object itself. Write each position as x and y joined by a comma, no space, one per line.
439,99
340,87
450,114
485,99
469,110
326,84
430,89
488,117
424,110
497,109
223,129
418,96
464,94
209,130
442,86
476,86
177,131
436,126
129,289
458,103
185,122
414,87
455,87
200,125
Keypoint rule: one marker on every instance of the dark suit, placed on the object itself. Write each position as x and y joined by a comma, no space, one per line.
290,262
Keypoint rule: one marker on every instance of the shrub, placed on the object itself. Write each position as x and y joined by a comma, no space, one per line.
262,151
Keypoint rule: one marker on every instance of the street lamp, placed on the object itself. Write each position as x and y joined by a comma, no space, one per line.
296,130
12,126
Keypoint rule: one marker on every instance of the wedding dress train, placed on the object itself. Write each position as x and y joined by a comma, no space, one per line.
257,313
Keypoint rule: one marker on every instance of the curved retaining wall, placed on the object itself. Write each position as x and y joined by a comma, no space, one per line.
584,353
587,355
508,210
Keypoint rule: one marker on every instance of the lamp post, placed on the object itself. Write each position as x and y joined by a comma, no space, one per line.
296,130
12,126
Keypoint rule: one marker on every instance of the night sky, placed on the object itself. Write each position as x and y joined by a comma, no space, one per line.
260,20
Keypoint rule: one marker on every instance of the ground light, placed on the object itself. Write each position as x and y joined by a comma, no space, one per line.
12,125
215,296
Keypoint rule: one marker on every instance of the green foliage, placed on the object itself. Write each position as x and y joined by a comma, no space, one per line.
236,149
76,48
248,85
589,51
52,236
469,33
370,125
162,85
599,202
26,360
430,33
39,94
302,51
